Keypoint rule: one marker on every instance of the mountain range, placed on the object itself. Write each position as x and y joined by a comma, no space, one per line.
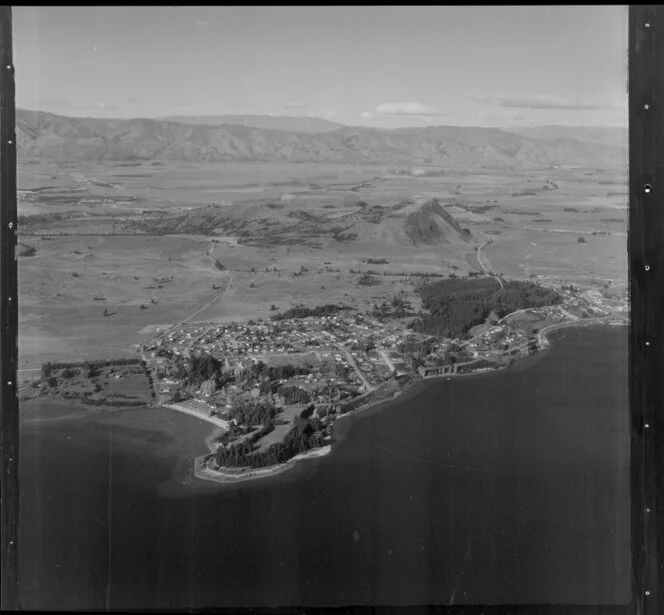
311,125
47,136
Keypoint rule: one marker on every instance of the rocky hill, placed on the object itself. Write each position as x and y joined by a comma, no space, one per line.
432,224
404,225
52,137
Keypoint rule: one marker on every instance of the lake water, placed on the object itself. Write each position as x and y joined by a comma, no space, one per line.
509,488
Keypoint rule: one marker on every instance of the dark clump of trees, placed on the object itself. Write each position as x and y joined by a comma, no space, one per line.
257,413
378,261
396,308
301,311
581,240
202,368
399,274
368,280
456,305
294,395
89,367
303,437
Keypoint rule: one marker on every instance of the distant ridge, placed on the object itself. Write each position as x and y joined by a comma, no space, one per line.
311,125
607,135
54,137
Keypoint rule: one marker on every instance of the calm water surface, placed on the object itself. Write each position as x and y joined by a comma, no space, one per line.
510,488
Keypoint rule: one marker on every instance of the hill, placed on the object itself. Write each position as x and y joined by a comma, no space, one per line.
403,226
53,137
310,125
605,135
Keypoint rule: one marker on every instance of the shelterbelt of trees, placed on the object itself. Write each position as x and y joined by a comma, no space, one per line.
303,437
89,367
301,311
197,369
454,306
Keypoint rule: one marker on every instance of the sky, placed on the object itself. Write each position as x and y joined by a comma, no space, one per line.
386,67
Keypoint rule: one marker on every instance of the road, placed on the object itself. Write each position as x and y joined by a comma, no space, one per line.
207,305
386,359
580,321
568,314
196,339
483,264
500,322
360,375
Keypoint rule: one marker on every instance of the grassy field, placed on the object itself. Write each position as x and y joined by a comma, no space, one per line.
142,280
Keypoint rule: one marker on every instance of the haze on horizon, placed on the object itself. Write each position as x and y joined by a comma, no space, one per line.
384,67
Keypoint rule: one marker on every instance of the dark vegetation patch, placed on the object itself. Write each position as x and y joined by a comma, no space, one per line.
301,311
400,274
455,306
525,193
303,437
367,279
26,250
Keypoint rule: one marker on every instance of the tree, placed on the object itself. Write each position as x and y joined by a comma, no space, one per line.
47,370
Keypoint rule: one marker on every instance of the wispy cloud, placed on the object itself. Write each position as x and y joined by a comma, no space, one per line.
295,106
326,115
550,103
403,108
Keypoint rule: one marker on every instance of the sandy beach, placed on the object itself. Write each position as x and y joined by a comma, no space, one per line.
214,420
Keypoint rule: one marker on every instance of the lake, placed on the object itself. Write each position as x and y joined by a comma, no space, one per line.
492,489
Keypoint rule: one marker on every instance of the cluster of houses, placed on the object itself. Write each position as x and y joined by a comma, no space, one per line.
499,337
267,337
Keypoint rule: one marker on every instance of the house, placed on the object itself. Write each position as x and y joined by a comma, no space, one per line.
439,370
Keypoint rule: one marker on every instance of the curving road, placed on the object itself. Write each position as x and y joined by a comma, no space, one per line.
207,305
484,265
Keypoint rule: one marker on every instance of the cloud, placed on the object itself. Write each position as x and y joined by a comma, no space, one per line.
322,114
404,108
295,105
550,103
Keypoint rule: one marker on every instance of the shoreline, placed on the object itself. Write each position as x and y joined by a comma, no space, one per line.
544,343
234,477
214,420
